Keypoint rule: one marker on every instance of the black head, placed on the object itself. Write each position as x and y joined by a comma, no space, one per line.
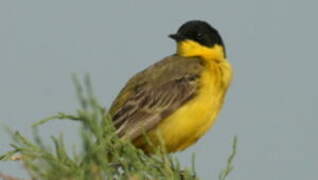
198,31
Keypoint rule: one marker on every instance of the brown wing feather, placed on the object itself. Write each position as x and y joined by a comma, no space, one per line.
154,94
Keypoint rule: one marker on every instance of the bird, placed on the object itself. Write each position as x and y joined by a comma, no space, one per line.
175,101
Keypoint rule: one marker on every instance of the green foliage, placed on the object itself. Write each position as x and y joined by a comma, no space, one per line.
229,166
102,154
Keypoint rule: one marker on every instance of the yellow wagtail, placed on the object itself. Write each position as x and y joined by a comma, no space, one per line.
178,98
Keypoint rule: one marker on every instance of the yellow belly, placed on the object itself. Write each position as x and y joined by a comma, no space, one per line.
191,121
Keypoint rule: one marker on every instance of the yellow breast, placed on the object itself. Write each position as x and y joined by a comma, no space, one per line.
191,121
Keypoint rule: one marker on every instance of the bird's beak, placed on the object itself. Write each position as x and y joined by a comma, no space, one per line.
177,37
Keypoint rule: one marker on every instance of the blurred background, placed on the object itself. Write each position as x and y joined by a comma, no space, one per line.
271,106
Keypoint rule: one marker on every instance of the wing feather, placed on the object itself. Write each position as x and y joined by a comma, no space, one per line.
154,94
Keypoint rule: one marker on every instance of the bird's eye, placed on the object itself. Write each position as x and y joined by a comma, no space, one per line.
199,36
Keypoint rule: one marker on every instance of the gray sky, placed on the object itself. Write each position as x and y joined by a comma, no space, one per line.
271,106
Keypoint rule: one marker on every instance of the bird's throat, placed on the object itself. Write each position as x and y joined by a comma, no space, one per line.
189,48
